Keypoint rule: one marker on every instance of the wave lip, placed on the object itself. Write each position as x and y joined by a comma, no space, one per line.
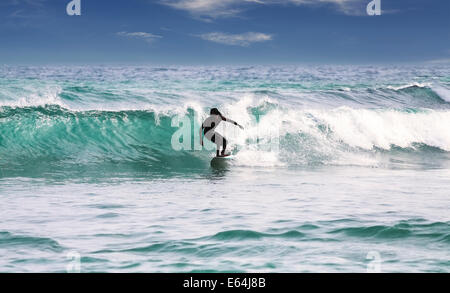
437,231
8,239
383,232
411,85
253,235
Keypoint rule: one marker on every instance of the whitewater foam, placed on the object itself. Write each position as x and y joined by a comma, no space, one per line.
410,85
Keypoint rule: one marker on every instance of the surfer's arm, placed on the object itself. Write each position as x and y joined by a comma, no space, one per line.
232,122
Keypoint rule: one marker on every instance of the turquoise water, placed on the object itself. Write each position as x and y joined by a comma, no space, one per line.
336,164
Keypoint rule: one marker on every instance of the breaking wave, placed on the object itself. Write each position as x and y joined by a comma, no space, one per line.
128,119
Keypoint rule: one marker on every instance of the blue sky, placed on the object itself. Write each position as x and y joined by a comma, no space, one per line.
224,32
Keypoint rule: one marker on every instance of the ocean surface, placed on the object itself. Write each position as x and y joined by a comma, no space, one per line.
338,169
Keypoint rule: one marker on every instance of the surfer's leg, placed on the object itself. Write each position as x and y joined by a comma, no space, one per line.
220,142
213,139
224,146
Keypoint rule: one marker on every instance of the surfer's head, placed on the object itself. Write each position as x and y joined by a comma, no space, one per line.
214,111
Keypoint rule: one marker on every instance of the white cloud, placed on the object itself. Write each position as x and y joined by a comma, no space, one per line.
148,37
207,8
35,3
18,14
227,8
243,40
24,13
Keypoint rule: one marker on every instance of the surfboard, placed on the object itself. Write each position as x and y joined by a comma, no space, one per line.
221,161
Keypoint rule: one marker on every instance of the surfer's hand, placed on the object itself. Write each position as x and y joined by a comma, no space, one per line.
238,125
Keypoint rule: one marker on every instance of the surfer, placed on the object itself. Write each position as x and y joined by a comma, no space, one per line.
209,126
